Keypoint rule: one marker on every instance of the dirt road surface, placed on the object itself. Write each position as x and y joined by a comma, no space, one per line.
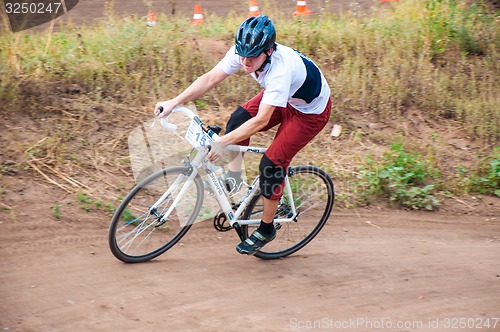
92,9
89,11
367,270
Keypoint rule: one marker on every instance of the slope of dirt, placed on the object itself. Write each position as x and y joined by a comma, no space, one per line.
369,269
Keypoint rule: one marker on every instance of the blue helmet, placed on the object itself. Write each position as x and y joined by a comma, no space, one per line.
255,35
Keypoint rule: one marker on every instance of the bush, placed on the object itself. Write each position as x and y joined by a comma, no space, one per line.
400,176
488,180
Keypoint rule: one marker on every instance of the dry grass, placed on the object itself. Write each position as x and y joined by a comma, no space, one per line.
438,57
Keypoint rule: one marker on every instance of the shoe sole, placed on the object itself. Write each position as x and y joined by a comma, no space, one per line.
251,253
244,252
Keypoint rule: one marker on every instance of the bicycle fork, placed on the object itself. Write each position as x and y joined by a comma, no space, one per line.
193,172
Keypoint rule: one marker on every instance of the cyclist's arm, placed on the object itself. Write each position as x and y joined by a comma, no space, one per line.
199,87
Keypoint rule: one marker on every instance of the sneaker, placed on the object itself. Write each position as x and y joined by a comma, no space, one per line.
255,242
207,187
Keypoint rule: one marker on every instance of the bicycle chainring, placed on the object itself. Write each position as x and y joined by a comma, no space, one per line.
220,223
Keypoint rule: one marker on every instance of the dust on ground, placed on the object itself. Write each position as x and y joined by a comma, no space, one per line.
374,268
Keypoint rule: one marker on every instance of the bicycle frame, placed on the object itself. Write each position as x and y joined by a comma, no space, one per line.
200,143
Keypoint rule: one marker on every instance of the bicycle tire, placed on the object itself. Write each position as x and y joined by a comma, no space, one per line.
139,239
310,186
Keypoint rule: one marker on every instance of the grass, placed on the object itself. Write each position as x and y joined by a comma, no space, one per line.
406,178
88,203
483,180
438,56
57,211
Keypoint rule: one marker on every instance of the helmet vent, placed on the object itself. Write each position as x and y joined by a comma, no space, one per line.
259,37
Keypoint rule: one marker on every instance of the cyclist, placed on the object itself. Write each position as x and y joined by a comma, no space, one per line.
295,95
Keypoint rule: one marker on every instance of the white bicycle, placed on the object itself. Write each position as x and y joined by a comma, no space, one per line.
159,210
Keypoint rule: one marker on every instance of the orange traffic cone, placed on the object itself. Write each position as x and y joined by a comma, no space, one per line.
301,9
198,15
151,18
254,9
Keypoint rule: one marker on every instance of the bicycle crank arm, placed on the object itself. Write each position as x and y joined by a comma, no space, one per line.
239,231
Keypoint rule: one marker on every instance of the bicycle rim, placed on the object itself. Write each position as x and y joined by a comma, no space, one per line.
313,193
136,234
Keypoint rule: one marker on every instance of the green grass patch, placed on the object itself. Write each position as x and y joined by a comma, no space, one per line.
485,179
90,204
405,178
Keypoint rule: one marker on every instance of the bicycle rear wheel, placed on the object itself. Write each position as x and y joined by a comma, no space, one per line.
313,195
137,234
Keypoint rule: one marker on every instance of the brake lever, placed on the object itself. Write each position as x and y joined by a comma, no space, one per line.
156,116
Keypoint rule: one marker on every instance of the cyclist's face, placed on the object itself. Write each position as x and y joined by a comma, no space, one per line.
250,65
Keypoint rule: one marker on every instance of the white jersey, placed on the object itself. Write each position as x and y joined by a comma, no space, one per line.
290,77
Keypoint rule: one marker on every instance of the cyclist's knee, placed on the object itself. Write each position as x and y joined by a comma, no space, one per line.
272,177
237,118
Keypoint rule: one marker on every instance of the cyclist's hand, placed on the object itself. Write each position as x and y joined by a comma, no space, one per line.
216,150
167,106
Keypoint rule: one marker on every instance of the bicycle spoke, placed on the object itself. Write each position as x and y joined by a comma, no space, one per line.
313,197
139,232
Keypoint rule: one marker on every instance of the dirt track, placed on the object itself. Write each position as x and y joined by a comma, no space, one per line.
94,8
88,11
367,268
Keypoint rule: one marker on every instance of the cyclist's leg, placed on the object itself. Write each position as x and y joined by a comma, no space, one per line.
295,132
310,204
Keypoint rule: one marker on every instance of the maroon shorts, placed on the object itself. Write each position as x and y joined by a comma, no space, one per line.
295,131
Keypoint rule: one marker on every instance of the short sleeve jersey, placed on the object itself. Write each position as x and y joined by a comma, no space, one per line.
290,77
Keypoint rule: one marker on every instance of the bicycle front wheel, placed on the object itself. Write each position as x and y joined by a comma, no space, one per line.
138,232
313,196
